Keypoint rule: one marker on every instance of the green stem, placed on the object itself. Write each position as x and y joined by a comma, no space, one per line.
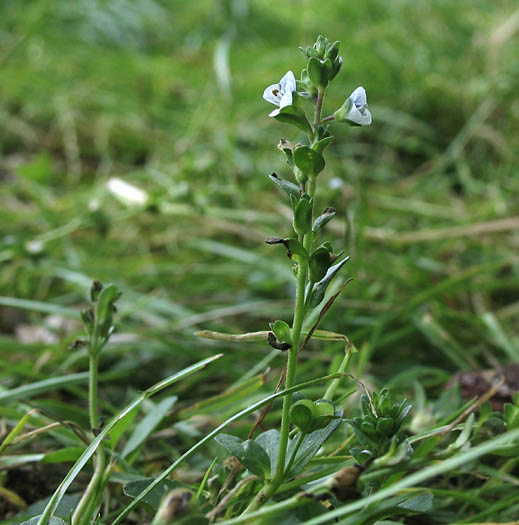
317,112
88,501
93,412
271,486
90,498
294,452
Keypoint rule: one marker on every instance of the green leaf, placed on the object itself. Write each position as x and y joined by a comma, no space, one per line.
63,411
323,219
64,455
120,428
320,145
154,497
288,187
148,424
46,385
295,116
269,441
320,288
35,520
229,397
421,503
318,72
250,454
319,264
312,443
309,161
303,217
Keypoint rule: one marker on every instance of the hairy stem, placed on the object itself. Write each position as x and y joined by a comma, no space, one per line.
88,500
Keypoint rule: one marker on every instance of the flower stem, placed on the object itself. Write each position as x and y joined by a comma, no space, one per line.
271,486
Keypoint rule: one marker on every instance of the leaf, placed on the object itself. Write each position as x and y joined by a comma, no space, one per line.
261,336
63,455
319,264
295,116
420,503
120,428
229,397
65,508
320,288
269,441
303,217
53,521
312,443
309,161
154,497
250,454
321,144
288,187
147,425
323,219
46,385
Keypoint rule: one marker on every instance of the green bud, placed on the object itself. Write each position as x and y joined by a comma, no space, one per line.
319,72
95,290
368,428
385,426
105,308
302,415
324,412
320,46
88,318
282,331
332,51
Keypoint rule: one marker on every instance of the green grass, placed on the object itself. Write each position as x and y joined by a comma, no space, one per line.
427,201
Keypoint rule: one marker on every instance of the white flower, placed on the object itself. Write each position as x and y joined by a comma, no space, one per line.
281,94
359,112
355,109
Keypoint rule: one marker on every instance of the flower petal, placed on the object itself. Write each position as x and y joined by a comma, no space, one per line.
273,94
362,117
274,113
359,97
288,82
286,99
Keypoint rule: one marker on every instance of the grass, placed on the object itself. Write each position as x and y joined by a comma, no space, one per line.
167,96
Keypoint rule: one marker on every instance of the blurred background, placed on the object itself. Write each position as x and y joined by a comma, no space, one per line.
166,96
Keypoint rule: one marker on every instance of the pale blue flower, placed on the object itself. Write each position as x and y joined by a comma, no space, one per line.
355,109
281,94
